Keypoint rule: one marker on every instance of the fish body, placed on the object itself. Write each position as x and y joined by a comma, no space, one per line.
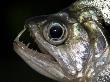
73,46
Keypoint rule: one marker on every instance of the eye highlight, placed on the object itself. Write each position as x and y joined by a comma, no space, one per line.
55,33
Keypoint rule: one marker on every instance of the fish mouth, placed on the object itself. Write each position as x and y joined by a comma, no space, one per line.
43,63
34,51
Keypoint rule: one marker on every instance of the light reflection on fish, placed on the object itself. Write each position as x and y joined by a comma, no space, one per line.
72,43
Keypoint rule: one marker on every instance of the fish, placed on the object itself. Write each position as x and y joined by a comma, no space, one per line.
72,45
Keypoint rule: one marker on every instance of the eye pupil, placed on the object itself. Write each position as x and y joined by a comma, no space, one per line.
56,32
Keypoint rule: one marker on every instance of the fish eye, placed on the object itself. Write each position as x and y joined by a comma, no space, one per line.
55,32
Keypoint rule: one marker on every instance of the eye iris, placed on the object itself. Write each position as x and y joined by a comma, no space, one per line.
56,32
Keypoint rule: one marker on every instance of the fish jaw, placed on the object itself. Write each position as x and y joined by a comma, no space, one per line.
38,61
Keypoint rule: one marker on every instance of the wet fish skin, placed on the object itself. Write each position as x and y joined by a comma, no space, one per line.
82,54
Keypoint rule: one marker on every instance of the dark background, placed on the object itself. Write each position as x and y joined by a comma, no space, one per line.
14,14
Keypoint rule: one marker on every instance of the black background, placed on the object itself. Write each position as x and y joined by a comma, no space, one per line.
14,14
